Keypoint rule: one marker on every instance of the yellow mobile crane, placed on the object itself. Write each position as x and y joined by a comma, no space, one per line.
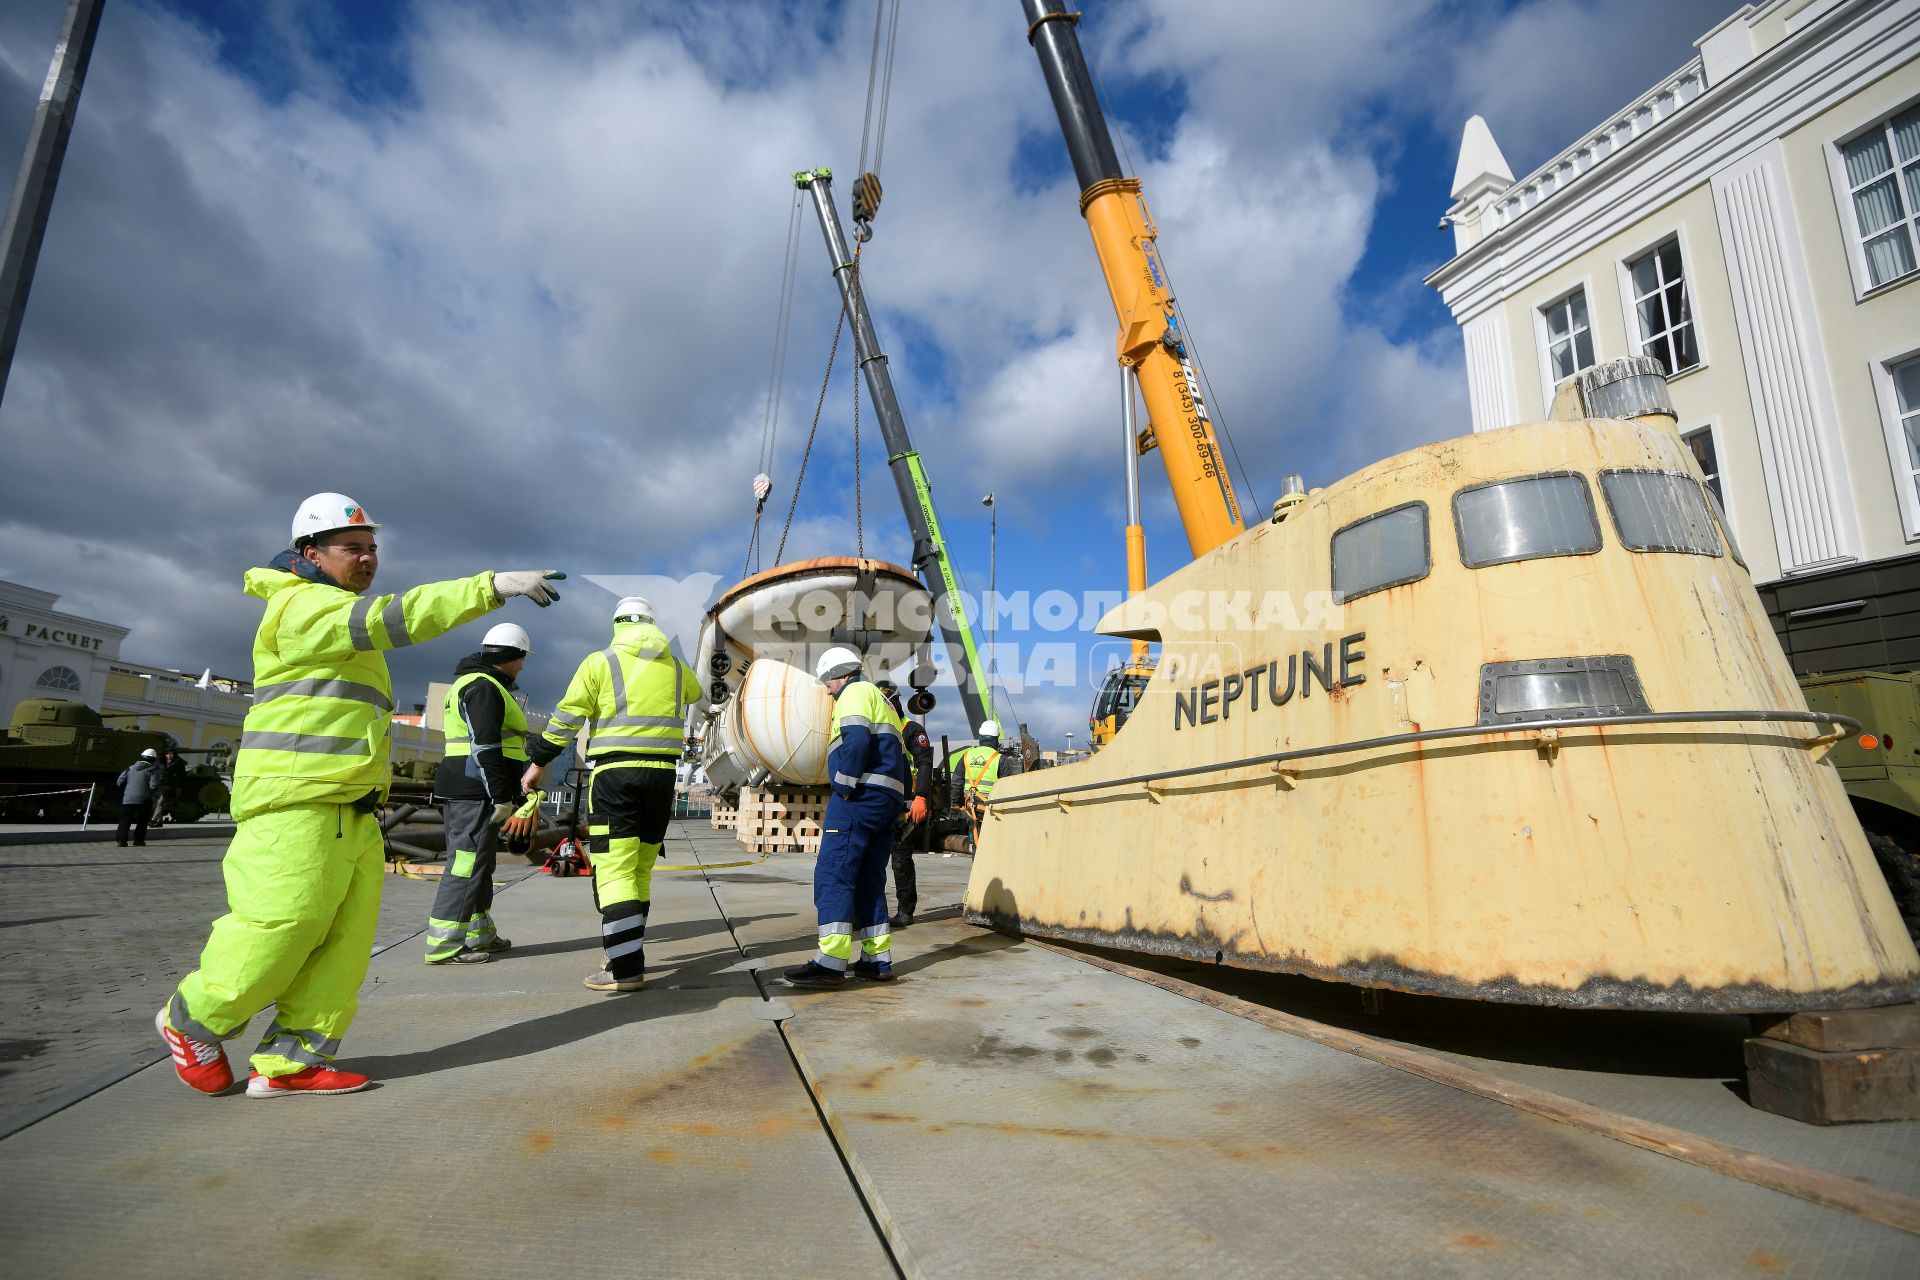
1151,346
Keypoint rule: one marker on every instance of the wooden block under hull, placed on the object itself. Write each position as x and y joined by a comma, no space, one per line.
1836,1030
1833,1088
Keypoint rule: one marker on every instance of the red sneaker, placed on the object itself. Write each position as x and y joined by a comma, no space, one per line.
199,1065
312,1080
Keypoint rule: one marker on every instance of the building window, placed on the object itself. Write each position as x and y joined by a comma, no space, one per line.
1701,444
1883,187
1906,408
1569,338
1525,519
63,679
1660,307
1381,551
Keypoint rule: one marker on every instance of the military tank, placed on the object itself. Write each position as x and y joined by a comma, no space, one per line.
56,749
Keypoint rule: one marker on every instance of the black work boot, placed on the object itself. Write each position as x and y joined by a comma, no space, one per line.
812,974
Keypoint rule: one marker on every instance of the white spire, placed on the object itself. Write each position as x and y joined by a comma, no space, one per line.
1482,168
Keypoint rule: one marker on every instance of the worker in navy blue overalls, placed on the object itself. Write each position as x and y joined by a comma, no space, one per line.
867,767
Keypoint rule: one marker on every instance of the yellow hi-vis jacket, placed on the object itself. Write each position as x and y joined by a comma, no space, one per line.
513,721
317,732
979,770
635,694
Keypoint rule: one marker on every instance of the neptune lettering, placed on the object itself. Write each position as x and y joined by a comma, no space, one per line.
1272,684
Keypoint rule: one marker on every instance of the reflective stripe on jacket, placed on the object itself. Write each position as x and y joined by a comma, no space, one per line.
979,770
635,694
317,732
865,747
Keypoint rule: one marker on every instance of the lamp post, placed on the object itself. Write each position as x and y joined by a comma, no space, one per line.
993,548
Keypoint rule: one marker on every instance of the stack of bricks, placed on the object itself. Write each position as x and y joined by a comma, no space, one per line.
785,819
724,816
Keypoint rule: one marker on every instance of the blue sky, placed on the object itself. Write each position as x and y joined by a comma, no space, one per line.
507,273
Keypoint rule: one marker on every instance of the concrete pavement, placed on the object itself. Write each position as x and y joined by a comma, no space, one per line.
1000,1108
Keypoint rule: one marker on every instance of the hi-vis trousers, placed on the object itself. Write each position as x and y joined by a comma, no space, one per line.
629,804
303,900
850,877
462,912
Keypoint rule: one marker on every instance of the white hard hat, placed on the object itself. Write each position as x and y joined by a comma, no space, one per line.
150,754
507,635
990,729
326,512
633,607
836,662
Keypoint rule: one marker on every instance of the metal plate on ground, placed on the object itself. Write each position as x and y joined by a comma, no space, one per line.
1088,1124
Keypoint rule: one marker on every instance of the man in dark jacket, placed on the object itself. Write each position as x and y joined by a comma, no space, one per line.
173,781
906,887
139,784
479,784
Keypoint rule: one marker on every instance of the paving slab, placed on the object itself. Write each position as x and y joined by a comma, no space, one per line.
522,1125
93,939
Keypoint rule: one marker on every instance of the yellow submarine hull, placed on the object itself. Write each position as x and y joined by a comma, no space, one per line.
1701,857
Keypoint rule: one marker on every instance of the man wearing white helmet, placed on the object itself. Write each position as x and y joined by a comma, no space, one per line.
635,695
304,869
478,782
867,769
975,771
139,784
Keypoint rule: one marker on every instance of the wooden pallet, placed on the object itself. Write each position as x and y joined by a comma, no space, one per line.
781,819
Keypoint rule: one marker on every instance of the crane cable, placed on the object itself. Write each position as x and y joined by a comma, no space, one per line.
833,355
776,382
886,31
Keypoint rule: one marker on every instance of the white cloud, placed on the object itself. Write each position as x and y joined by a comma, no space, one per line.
523,311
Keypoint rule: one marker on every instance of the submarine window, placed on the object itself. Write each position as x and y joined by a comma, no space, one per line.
1560,689
1660,511
1387,549
1526,519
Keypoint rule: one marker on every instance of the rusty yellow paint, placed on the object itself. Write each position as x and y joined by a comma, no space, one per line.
1702,866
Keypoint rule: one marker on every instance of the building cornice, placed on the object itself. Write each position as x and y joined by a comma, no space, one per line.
1776,91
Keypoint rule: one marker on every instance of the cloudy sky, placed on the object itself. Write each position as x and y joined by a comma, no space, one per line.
509,274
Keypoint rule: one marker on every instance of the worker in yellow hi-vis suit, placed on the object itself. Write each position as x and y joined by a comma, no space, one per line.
304,870
635,694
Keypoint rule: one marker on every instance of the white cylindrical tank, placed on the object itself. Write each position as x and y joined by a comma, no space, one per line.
780,721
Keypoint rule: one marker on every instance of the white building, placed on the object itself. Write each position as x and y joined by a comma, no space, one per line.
45,653
1753,221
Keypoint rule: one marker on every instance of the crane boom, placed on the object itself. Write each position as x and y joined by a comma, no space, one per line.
1150,341
930,559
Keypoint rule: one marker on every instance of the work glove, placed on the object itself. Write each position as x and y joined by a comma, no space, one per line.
526,817
501,812
918,809
531,583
